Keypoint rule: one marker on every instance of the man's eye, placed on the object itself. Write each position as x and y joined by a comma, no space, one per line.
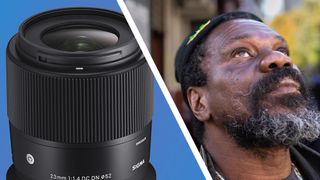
284,51
243,53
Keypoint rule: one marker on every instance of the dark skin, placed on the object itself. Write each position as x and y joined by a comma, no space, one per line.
238,54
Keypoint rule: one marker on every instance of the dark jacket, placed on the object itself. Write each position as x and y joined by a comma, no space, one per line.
307,160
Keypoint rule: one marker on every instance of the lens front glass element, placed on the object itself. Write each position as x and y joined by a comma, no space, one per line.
79,39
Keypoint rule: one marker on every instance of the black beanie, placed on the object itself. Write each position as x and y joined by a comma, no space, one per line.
191,41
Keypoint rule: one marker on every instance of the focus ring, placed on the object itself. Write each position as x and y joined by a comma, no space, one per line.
79,109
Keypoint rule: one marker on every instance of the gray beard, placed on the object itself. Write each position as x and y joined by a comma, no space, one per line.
265,130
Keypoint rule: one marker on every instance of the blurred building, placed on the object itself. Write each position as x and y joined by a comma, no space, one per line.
171,22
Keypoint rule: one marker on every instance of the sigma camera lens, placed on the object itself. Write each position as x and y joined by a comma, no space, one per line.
79,98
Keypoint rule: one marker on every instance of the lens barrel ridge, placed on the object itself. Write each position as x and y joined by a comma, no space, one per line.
79,109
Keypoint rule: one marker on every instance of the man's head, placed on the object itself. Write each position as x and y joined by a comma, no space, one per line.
240,77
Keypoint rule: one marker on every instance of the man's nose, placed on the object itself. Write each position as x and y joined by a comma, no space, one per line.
275,60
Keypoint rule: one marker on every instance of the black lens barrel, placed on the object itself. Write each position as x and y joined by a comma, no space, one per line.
78,115
79,109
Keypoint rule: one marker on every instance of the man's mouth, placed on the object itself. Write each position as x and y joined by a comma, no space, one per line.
285,86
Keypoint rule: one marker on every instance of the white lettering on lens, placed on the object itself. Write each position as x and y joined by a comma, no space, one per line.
141,141
139,164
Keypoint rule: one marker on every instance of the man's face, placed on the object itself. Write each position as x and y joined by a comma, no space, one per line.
250,76
239,54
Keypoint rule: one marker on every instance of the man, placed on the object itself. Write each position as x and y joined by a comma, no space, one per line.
250,103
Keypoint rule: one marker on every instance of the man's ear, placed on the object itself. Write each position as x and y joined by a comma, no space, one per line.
198,101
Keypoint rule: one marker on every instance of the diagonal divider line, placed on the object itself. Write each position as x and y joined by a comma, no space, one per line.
164,89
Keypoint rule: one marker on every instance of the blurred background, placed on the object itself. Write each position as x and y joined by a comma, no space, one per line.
165,23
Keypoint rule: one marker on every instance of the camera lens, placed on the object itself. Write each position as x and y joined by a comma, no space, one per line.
79,98
79,39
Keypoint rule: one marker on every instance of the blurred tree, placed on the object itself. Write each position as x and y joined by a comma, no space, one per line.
301,28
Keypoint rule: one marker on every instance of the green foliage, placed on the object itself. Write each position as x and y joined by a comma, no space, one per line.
301,28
